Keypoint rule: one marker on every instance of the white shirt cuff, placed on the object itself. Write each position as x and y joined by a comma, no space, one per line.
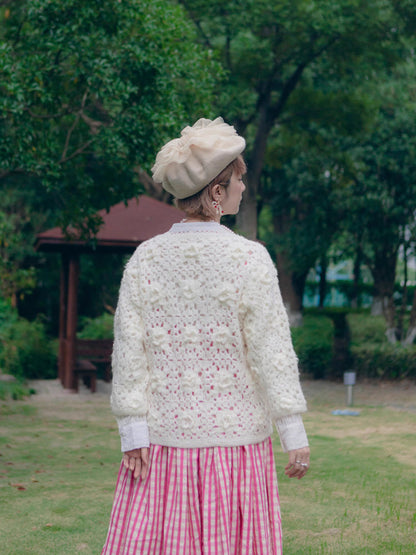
292,432
134,433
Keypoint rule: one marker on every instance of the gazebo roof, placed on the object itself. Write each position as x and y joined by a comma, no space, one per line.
124,227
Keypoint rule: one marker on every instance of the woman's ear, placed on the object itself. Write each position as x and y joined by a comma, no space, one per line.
216,192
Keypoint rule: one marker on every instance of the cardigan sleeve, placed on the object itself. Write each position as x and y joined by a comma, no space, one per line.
270,354
129,362
292,432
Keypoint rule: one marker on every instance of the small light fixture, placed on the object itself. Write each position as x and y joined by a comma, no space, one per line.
349,381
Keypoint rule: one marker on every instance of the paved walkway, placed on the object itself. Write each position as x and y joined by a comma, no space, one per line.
54,388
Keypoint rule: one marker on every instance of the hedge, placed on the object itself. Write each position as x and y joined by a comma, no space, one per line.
314,344
100,327
384,361
25,349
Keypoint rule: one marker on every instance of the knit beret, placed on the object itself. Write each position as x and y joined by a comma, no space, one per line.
186,165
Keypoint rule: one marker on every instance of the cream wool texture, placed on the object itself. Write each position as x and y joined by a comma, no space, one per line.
202,347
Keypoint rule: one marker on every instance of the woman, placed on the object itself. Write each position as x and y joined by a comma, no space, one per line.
203,364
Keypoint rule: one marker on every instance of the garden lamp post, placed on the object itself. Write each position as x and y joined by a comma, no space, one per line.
349,381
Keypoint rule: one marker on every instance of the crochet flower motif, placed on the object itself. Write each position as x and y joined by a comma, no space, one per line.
150,254
156,384
186,422
262,275
190,382
190,334
153,293
237,253
225,382
159,337
202,134
226,293
226,420
221,335
191,289
192,251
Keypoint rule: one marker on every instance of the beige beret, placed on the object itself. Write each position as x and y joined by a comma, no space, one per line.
186,165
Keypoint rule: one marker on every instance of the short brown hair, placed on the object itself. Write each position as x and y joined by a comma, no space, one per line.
200,204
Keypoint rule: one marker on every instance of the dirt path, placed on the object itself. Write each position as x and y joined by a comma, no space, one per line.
401,395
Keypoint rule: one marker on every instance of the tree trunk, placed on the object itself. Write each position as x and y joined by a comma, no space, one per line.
292,288
411,332
389,315
247,215
356,300
384,274
400,323
378,304
322,280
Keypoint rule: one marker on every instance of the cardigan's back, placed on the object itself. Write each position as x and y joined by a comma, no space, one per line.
202,344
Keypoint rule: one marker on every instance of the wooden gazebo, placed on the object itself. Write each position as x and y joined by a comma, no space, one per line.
124,228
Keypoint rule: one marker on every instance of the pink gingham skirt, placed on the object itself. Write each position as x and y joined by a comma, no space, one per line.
202,501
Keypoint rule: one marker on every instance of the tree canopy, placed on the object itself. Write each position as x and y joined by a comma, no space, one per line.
89,90
270,50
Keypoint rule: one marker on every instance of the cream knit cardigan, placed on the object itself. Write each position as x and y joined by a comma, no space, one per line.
202,351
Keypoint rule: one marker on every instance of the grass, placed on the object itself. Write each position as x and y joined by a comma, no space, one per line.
59,459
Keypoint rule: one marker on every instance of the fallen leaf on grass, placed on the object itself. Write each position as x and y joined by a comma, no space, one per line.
18,486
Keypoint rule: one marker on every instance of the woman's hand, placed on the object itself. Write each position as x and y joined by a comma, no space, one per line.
137,460
298,463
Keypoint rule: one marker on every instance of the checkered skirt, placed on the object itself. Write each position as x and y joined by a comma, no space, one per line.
201,501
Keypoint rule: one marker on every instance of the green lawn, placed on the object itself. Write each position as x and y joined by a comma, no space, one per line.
59,458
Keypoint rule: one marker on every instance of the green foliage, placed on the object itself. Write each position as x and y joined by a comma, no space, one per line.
313,344
366,329
373,356
97,328
89,90
15,390
384,361
25,349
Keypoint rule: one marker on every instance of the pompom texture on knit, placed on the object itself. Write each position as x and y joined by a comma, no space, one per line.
202,342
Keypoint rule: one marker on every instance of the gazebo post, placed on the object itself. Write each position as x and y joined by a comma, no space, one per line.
63,299
71,320
124,227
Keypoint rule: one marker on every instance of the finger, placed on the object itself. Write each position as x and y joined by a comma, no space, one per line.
296,470
145,463
137,468
126,461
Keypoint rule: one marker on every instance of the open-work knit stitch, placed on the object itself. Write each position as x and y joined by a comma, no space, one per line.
202,342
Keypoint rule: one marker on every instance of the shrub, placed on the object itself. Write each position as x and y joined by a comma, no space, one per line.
97,328
25,349
313,344
14,390
365,329
384,360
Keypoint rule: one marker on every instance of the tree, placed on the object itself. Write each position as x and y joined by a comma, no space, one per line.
381,200
304,196
266,49
88,91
